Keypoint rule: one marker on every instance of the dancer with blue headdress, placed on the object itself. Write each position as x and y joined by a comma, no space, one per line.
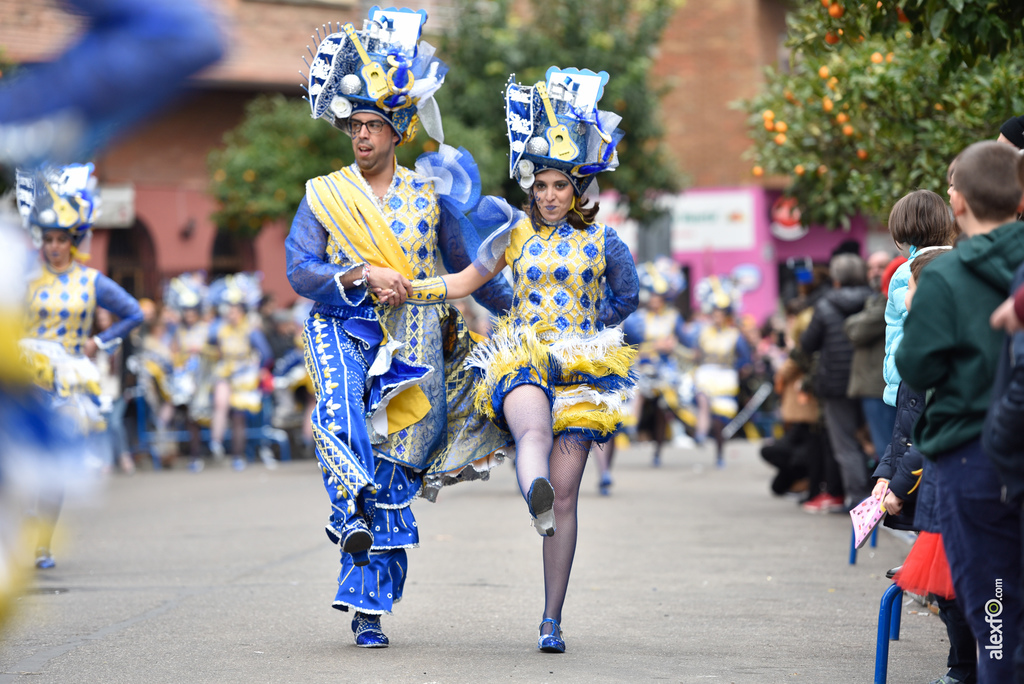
554,372
59,206
394,412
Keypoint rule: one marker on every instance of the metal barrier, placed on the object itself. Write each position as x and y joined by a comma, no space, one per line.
888,629
853,543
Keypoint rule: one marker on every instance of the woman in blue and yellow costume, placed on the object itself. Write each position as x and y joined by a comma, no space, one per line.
58,206
665,387
241,351
192,377
723,355
394,412
554,373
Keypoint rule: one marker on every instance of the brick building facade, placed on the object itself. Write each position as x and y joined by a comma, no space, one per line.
712,54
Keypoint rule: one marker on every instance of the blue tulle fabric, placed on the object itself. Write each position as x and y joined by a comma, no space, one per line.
133,57
457,181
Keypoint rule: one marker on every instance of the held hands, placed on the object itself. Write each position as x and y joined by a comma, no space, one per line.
1005,318
389,286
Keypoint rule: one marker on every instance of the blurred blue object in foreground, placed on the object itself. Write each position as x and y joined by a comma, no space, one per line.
132,58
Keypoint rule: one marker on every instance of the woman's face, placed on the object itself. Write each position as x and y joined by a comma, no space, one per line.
553,194
57,248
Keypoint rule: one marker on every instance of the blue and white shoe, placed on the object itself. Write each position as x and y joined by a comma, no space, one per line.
44,561
551,643
542,501
605,488
368,632
238,463
196,465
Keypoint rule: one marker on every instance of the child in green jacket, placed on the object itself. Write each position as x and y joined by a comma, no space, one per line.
948,347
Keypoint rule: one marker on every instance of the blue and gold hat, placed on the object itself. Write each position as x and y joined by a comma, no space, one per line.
186,291
58,198
242,289
555,124
384,69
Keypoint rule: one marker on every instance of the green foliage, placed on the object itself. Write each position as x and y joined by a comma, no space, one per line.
972,28
907,119
260,174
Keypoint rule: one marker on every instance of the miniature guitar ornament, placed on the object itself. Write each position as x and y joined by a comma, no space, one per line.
373,73
560,144
866,515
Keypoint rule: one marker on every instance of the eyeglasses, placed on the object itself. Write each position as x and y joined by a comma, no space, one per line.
373,126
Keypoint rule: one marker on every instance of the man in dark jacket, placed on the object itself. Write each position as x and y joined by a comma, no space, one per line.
949,348
825,334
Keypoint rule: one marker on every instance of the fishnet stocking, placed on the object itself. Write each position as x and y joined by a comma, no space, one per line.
568,459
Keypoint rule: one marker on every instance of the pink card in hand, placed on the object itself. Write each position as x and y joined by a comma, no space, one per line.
865,516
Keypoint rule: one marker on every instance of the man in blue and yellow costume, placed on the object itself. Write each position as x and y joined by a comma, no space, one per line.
393,417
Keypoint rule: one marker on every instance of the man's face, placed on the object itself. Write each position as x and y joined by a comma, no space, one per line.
876,267
375,151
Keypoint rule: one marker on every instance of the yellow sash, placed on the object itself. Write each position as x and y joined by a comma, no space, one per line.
351,217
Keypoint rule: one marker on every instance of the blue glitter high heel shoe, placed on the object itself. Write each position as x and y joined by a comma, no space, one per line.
542,500
551,643
367,630
44,560
605,487
356,540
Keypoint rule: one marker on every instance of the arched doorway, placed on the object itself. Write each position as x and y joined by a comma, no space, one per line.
131,261
231,254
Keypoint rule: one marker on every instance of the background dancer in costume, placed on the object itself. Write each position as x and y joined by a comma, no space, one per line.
394,415
657,329
243,351
59,206
723,354
552,372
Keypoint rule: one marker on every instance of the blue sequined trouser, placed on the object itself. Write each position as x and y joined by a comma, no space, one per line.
357,479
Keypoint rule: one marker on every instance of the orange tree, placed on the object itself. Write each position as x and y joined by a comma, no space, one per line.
857,122
972,28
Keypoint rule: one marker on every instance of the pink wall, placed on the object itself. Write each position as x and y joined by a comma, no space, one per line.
767,253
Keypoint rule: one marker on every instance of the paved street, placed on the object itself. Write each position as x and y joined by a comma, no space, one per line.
685,574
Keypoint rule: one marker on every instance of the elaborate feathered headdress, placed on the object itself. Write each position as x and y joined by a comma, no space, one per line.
384,68
555,124
58,198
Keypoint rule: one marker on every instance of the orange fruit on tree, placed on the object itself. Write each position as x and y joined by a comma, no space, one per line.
831,38
877,58
835,10
833,82
822,170
842,118
769,125
889,57
901,16
780,139
939,107
757,171
781,126
862,154
847,129
768,115
798,169
826,3
823,72
827,104
878,5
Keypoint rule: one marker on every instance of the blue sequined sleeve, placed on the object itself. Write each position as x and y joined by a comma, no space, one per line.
622,286
309,272
458,243
113,298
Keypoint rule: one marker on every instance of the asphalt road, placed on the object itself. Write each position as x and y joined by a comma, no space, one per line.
686,573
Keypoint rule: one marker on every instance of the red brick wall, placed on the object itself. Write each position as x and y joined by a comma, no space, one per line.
712,54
